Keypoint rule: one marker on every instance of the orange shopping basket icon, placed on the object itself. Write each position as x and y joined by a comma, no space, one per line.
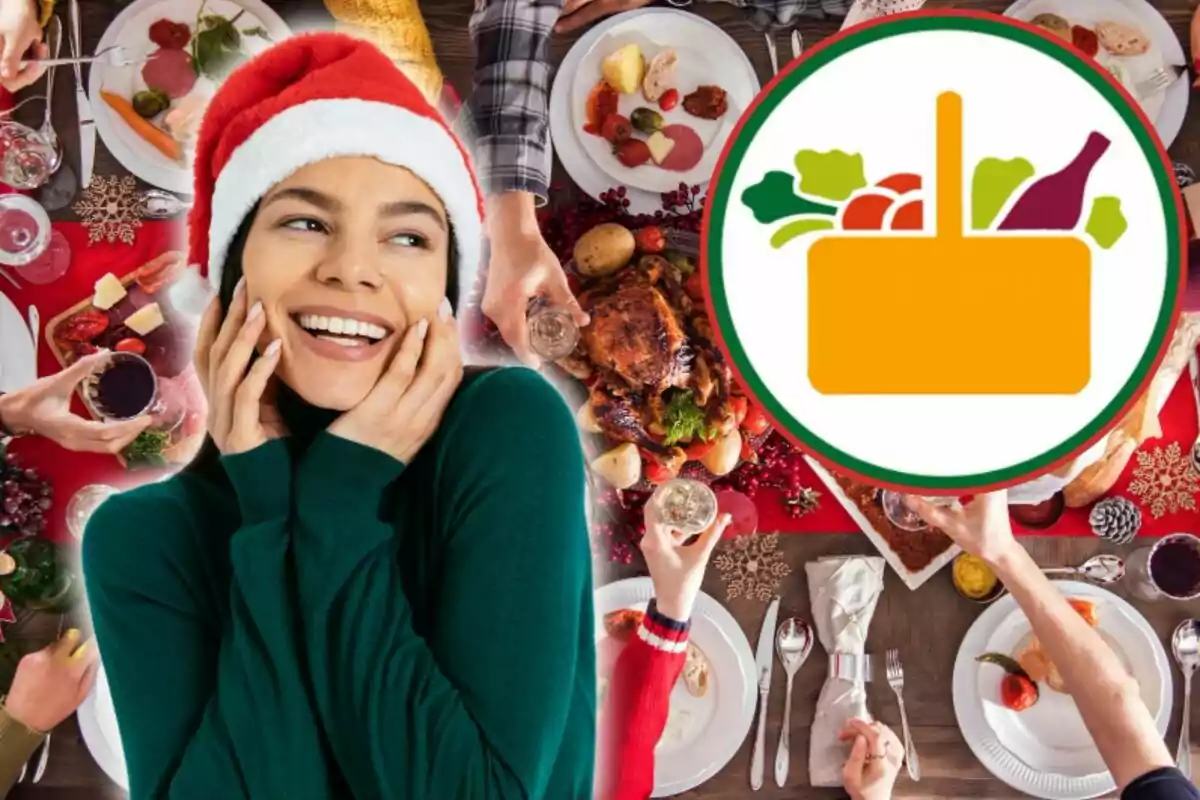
949,313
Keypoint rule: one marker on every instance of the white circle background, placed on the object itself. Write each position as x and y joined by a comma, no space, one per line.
879,100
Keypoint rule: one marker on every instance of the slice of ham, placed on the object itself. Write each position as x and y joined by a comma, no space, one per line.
688,149
170,71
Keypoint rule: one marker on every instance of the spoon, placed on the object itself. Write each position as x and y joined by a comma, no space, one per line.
1101,569
1185,644
47,130
793,643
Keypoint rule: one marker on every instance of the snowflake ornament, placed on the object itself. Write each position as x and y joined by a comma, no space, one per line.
1164,480
751,566
110,209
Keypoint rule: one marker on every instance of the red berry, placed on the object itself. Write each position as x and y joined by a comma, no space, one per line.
620,191
669,99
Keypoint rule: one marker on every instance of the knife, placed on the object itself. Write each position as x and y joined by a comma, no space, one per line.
87,122
35,325
764,659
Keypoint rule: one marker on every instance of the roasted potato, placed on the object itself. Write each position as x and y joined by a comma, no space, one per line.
604,249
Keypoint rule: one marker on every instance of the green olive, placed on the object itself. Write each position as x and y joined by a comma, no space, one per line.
646,120
150,103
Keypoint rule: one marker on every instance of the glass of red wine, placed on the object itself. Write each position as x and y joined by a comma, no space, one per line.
126,388
1167,570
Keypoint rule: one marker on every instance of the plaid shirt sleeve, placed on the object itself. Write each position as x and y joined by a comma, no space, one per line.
507,118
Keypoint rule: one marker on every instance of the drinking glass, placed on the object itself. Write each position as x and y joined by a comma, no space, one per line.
686,505
903,517
553,333
27,158
83,504
28,243
1169,569
126,388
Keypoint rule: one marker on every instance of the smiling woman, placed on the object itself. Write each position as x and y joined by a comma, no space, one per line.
305,615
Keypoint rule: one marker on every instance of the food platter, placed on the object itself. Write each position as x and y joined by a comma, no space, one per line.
936,550
1165,109
258,26
739,77
1045,750
683,43
703,733
136,314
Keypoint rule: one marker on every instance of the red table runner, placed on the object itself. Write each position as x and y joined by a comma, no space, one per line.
67,471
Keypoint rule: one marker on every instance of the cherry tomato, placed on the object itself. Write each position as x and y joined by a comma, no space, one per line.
650,239
669,99
698,449
616,128
740,406
131,345
755,422
633,152
694,286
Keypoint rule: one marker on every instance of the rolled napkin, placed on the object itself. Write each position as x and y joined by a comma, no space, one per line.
865,10
844,592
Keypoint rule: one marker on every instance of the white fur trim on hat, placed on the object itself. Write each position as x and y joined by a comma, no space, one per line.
321,129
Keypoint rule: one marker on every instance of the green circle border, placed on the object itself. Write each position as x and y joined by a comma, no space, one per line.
769,101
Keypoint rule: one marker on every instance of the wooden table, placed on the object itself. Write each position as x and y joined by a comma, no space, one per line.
926,625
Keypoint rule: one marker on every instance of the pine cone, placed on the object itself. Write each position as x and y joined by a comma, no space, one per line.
1184,175
1116,520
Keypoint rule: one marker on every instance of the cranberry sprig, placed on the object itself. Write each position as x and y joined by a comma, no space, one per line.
685,197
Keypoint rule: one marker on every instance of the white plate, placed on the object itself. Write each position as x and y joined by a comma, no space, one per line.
1166,110
913,580
1046,751
567,138
98,724
703,734
131,29
702,51
18,356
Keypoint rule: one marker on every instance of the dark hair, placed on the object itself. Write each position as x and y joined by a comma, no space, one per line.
207,459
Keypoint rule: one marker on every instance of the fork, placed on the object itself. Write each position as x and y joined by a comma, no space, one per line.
115,56
1157,81
895,679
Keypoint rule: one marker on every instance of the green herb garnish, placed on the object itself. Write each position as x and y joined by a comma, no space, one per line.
1007,663
681,262
683,420
147,450
216,45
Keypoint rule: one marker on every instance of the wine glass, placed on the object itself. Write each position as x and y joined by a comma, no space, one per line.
553,333
126,388
27,158
903,517
27,242
83,504
686,505
1168,569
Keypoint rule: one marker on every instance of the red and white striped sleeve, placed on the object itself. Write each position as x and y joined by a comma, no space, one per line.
636,707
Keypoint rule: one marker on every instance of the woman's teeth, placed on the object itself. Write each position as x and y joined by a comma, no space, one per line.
340,329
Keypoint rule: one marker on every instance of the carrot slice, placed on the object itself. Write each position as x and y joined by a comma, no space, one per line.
909,217
865,212
154,135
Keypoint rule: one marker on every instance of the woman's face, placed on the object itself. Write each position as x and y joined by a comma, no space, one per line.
345,255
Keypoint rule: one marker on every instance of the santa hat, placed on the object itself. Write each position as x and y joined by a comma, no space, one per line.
309,98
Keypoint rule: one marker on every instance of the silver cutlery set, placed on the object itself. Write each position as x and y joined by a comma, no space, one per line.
792,643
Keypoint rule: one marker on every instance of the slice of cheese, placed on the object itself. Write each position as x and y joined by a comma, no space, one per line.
660,146
145,319
109,292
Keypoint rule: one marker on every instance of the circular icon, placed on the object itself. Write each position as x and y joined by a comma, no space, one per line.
943,252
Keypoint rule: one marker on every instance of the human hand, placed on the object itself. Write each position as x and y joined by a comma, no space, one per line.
577,13
44,408
677,569
522,267
874,761
50,684
403,410
241,411
19,31
981,527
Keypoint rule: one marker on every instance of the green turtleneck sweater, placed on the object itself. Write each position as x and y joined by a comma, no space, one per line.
314,619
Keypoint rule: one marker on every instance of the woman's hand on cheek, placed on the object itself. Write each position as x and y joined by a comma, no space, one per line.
240,414
403,410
